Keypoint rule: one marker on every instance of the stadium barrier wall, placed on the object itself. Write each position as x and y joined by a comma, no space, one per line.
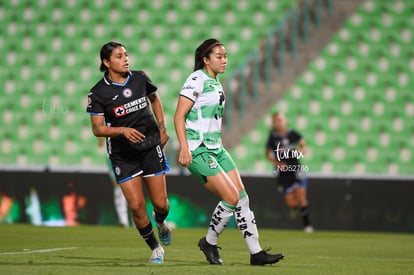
336,203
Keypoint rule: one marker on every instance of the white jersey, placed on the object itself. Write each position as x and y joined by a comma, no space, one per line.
203,121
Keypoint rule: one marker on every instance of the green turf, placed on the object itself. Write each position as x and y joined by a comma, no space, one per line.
26,249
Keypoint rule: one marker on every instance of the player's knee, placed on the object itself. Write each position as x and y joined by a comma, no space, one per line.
232,199
138,210
292,203
161,205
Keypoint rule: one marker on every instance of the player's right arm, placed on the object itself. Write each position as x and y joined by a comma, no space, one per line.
183,107
99,129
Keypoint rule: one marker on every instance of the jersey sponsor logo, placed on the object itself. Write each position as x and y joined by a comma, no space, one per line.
222,98
119,111
188,87
115,97
131,107
127,93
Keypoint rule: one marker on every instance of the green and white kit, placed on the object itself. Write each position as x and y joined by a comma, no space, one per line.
203,125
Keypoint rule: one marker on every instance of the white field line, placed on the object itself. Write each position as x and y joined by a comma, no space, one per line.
28,251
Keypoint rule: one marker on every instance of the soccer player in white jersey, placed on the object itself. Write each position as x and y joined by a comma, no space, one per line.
197,121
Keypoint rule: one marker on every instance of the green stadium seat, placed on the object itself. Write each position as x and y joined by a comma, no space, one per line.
67,53
364,75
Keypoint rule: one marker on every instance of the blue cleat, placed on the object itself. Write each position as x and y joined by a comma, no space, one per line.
164,232
157,256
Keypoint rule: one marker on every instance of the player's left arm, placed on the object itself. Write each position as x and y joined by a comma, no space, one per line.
158,111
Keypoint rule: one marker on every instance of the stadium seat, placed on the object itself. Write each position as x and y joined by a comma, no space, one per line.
53,58
357,110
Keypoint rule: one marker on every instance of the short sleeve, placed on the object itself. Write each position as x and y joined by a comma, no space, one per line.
192,88
149,85
269,142
295,137
95,106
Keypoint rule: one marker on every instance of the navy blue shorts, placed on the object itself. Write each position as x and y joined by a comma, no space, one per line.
289,189
146,163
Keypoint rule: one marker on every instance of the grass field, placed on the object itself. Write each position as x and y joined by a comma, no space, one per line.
26,249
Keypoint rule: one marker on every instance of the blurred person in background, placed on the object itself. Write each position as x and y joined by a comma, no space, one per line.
73,201
125,108
284,148
198,120
6,203
120,203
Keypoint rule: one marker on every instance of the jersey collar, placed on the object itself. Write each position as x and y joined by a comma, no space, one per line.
209,76
110,82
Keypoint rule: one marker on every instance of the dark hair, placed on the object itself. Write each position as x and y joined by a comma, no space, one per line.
277,113
106,52
204,50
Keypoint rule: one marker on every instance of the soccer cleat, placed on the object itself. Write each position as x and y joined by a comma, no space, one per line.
157,256
210,251
308,229
263,258
164,232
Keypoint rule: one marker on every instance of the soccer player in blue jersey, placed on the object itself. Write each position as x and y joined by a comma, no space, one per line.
198,120
122,106
284,149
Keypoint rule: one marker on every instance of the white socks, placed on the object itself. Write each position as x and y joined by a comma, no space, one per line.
221,216
244,219
247,224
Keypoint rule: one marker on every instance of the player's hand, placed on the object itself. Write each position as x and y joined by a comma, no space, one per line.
133,135
185,158
164,137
